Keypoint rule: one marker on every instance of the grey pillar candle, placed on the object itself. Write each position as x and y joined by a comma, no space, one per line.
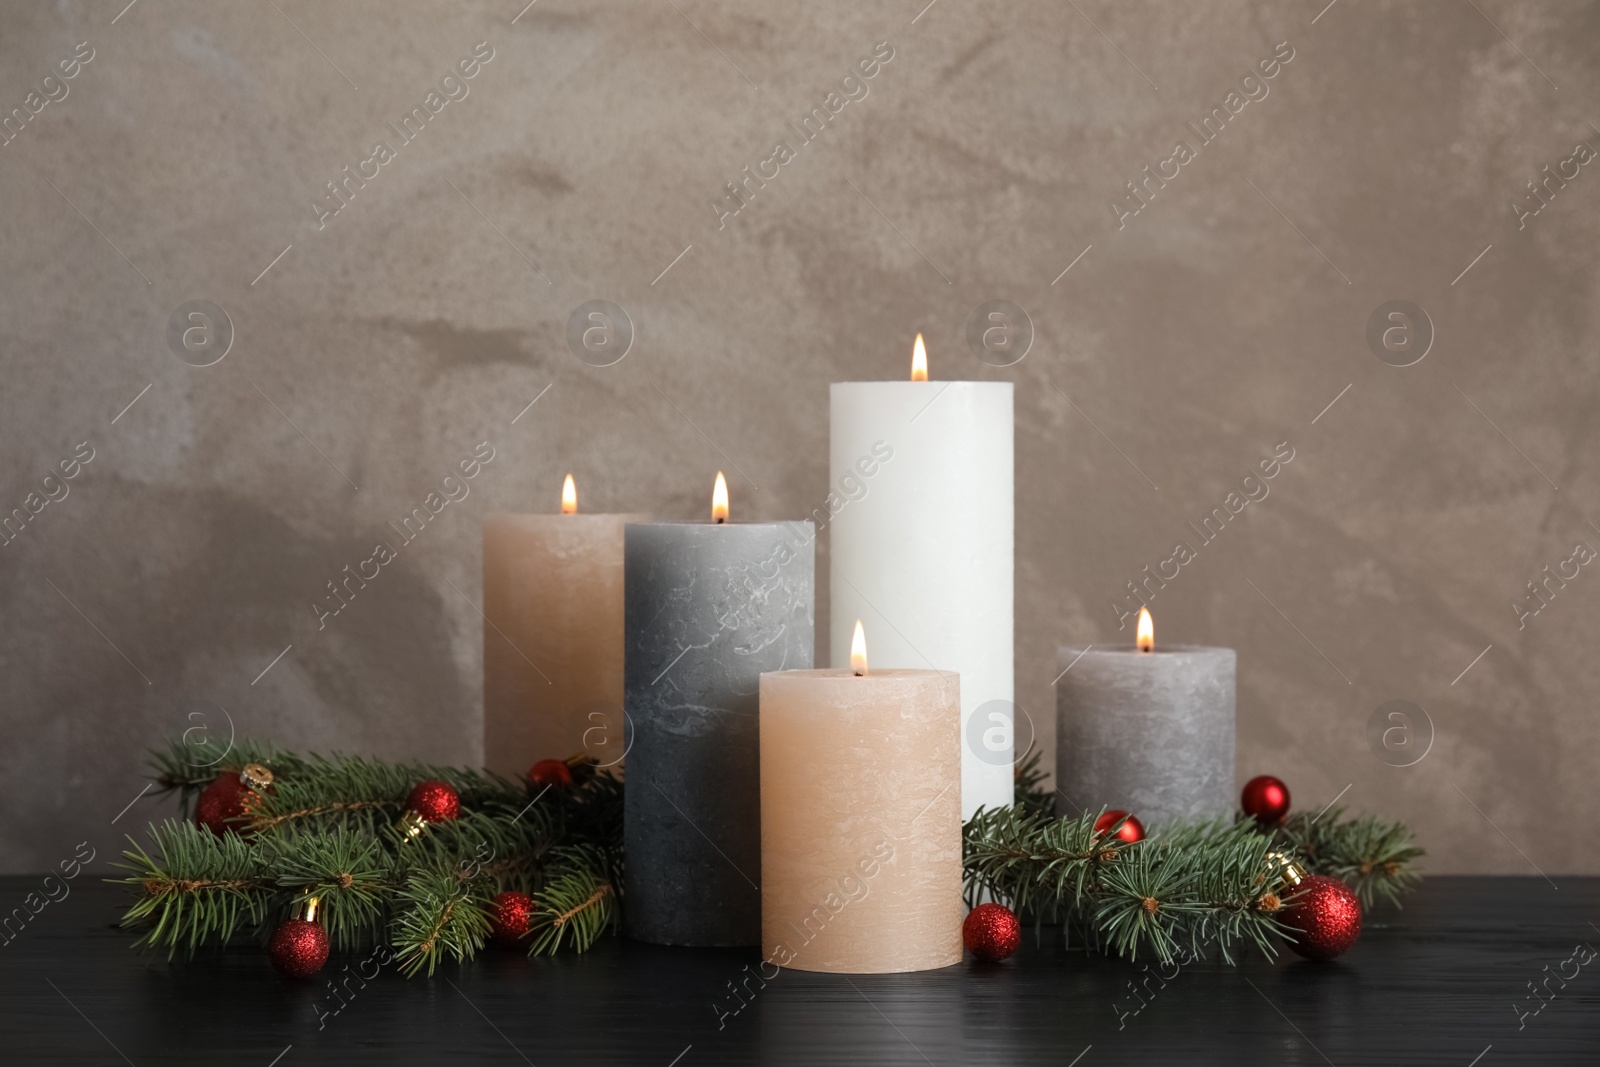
707,609
1151,733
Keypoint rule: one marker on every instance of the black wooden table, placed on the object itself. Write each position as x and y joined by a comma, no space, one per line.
1441,982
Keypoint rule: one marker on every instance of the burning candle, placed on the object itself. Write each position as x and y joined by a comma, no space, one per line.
709,608
861,818
1149,730
925,551
552,636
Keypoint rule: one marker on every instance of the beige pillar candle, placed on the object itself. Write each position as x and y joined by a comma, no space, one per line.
861,820
552,637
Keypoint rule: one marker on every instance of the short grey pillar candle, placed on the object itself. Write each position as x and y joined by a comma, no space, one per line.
1151,733
707,609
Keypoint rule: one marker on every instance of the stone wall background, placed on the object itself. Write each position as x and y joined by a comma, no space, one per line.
377,350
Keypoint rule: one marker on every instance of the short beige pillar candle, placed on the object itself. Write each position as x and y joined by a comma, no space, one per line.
861,820
552,637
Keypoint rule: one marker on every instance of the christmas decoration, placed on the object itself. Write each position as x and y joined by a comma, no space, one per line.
434,801
991,932
299,947
1265,799
1284,870
511,916
1367,854
1183,890
1130,831
220,804
224,801
1325,917
325,828
550,772
430,801
255,778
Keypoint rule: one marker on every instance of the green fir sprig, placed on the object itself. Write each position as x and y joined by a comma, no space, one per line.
1185,887
1371,855
327,828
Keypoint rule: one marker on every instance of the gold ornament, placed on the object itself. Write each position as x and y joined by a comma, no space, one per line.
1285,867
255,776
306,907
410,825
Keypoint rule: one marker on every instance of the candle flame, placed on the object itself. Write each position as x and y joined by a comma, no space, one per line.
858,651
719,500
919,361
1147,632
569,497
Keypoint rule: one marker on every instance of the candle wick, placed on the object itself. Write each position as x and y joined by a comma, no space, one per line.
719,520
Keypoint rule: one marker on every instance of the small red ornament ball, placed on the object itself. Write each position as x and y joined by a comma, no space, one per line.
434,800
298,948
511,916
220,802
1326,918
991,932
1265,798
1132,830
550,772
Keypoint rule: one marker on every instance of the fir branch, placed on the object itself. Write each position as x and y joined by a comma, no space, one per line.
192,763
326,828
201,888
438,915
358,792
576,905
1033,859
1181,890
504,853
1373,856
350,876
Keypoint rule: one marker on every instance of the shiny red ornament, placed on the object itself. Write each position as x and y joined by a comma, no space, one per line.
219,803
298,948
1265,798
434,801
511,916
991,932
1325,916
550,772
1132,830
230,796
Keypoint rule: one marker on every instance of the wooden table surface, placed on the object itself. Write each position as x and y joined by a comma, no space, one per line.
1441,982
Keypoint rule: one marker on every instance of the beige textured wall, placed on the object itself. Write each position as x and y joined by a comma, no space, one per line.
382,347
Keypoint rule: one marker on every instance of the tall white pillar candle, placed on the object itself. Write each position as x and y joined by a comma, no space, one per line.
921,547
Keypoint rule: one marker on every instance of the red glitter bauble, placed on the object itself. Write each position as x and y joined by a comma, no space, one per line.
298,948
229,796
511,916
550,772
1325,916
435,801
1132,830
1265,798
991,932
220,802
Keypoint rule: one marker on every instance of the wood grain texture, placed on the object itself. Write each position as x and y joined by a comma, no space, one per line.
1433,984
